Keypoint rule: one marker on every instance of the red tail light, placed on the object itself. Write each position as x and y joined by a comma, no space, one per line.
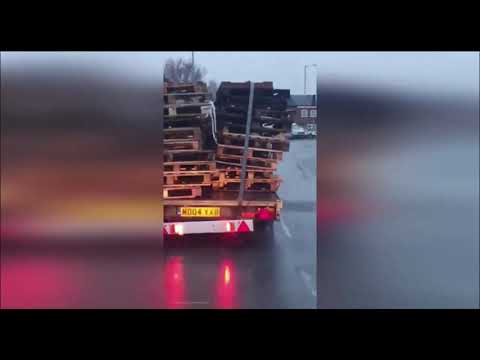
243,227
265,214
248,215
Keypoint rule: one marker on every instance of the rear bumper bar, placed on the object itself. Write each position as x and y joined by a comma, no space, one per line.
205,227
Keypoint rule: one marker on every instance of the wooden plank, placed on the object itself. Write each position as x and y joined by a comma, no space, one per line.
252,153
187,94
181,145
257,142
173,118
190,173
278,137
181,193
269,185
187,155
183,186
185,88
251,163
187,133
181,166
186,109
255,129
188,105
188,138
190,178
186,98
232,173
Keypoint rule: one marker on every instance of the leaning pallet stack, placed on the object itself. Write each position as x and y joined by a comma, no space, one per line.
267,142
188,154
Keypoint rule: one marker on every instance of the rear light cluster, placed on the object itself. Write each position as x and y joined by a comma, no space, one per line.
230,227
243,227
262,214
176,229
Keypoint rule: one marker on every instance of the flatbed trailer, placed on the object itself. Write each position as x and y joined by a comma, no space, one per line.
220,212
223,211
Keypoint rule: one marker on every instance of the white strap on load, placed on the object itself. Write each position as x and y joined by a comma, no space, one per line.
214,121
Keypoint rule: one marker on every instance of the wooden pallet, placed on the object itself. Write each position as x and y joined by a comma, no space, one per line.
200,178
252,153
182,192
172,120
185,88
251,174
251,163
182,166
182,133
182,139
280,143
264,185
274,137
255,128
186,109
186,98
174,145
240,118
228,89
187,156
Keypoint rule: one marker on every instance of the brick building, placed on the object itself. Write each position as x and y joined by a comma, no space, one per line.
303,109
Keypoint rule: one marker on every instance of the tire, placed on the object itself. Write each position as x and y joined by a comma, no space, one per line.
261,236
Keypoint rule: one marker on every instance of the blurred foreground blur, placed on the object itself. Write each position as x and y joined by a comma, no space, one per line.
80,152
397,198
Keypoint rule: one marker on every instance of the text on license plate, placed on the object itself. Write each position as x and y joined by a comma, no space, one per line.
200,211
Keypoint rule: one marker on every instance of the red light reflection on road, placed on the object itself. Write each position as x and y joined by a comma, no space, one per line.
174,283
226,291
32,283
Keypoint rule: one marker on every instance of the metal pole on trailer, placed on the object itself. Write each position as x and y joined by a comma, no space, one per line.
245,146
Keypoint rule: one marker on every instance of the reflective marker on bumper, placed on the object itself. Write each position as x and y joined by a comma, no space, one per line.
204,227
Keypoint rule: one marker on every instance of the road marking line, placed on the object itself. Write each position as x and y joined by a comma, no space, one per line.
285,228
307,279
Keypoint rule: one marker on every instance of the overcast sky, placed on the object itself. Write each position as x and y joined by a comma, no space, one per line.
430,72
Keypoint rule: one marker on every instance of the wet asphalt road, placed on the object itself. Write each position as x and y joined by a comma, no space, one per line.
417,245
274,269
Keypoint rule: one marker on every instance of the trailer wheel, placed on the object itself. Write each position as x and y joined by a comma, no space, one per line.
261,236
264,227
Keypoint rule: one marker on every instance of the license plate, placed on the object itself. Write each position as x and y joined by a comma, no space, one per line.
200,212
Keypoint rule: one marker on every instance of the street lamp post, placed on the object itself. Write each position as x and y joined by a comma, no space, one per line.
305,77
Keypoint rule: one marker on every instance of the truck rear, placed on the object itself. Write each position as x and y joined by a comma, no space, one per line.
220,159
220,212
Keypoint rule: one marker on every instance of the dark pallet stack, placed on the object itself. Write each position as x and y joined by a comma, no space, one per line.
267,141
188,156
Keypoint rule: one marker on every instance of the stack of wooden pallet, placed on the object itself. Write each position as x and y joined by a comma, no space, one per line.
267,141
188,156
